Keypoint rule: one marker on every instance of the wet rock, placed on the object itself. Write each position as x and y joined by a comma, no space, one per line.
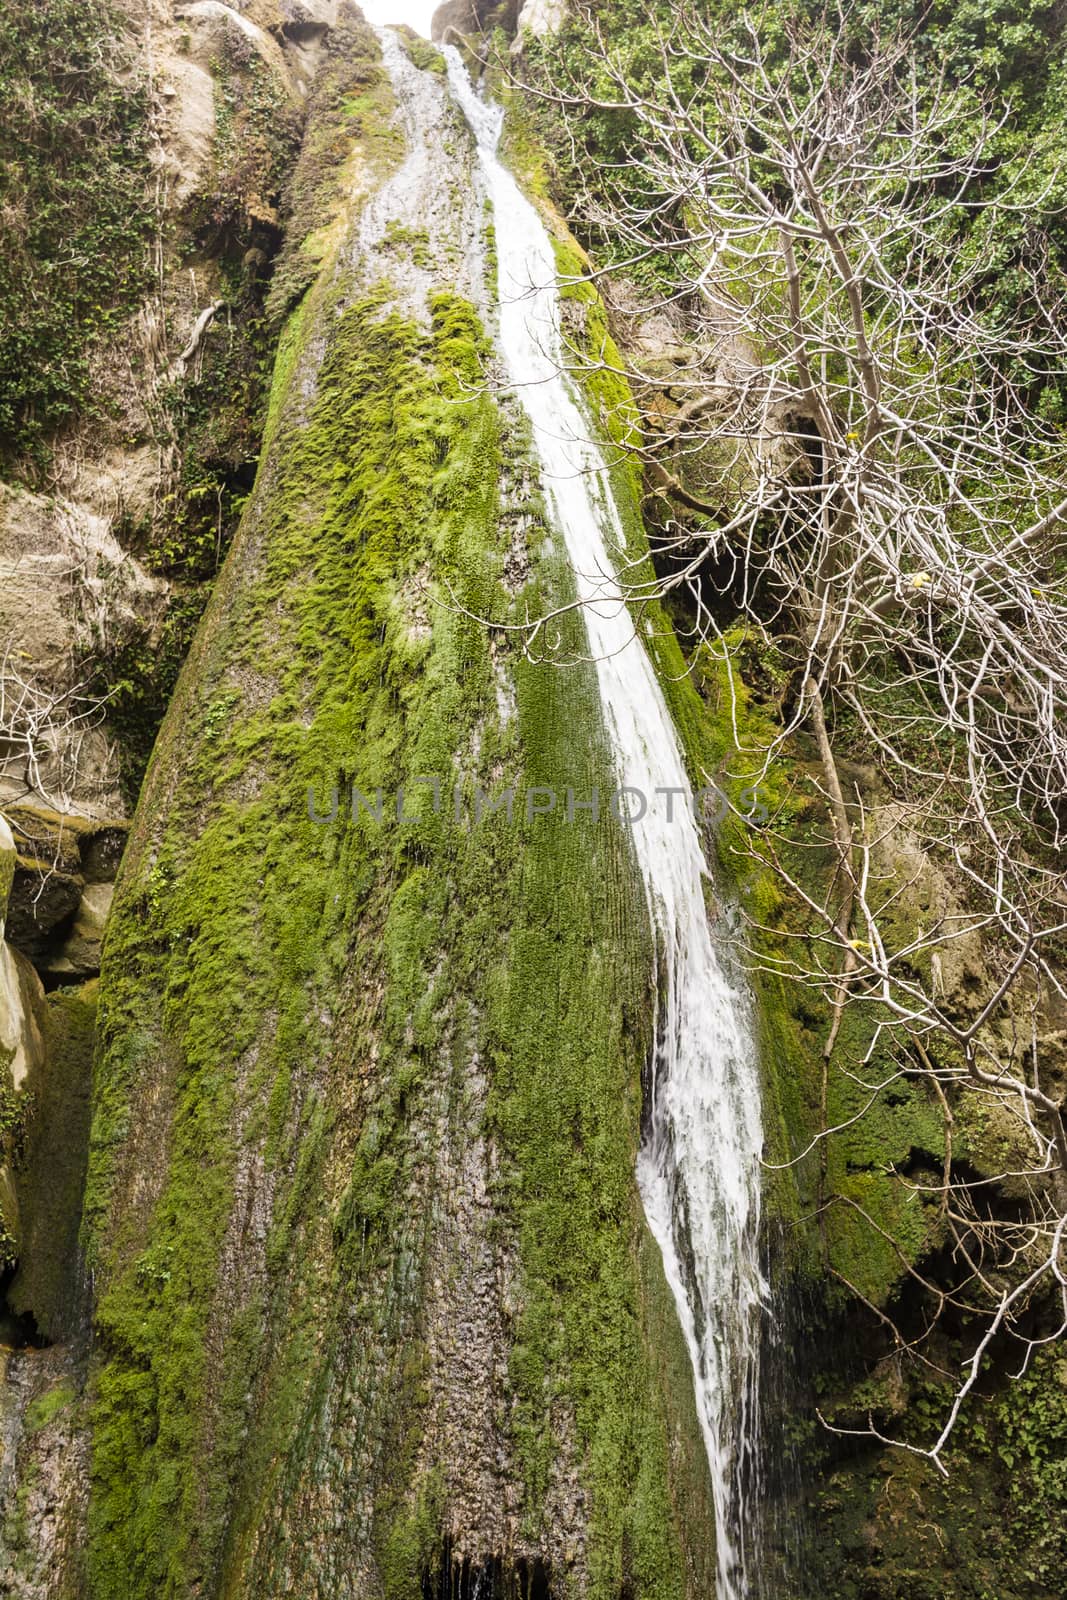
49,1168
44,1470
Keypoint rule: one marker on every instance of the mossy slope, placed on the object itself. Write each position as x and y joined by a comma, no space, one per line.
291,1010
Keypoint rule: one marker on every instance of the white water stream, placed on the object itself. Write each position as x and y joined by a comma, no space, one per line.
698,1166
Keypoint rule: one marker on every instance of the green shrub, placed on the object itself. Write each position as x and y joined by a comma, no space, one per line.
74,206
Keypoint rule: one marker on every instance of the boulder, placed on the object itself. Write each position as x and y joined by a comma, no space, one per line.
78,957
21,995
101,851
41,899
63,867
47,881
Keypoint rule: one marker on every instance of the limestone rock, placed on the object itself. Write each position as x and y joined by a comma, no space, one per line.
47,882
540,17
40,901
67,589
660,344
21,995
44,1459
474,16
461,15
101,852
78,956
63,870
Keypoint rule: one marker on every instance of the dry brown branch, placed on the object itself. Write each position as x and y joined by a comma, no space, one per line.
855,462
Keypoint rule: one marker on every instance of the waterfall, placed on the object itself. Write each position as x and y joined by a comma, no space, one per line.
698,1165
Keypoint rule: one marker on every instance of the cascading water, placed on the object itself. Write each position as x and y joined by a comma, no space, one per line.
698,1166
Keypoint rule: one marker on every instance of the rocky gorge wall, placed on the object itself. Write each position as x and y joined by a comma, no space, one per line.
350,1291
145,149
388,1295
372,1300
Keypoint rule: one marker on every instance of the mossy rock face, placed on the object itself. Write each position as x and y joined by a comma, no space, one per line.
373,1281
8,859
49,1171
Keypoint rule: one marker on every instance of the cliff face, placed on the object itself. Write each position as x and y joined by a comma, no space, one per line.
373,1300
856,1244
145,151
350,1292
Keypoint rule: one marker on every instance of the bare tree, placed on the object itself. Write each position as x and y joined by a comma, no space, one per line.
859,462
43,729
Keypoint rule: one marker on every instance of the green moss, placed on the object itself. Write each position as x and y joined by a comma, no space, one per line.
993,1530
413,242
350,137
46,1407
412,1542
294,999
290,344
422,53
16,1531
230,967
77,213
874,1224
600,366
522,144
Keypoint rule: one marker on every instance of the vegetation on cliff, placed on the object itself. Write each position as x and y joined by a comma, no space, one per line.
310,1030
373,1293
75,205
935,1200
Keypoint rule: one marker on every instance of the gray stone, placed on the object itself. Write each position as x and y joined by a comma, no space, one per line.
101,852
78,957
42,898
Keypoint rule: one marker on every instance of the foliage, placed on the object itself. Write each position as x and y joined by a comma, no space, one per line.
875,1197
1007,49
75,208
257,134
994,1530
